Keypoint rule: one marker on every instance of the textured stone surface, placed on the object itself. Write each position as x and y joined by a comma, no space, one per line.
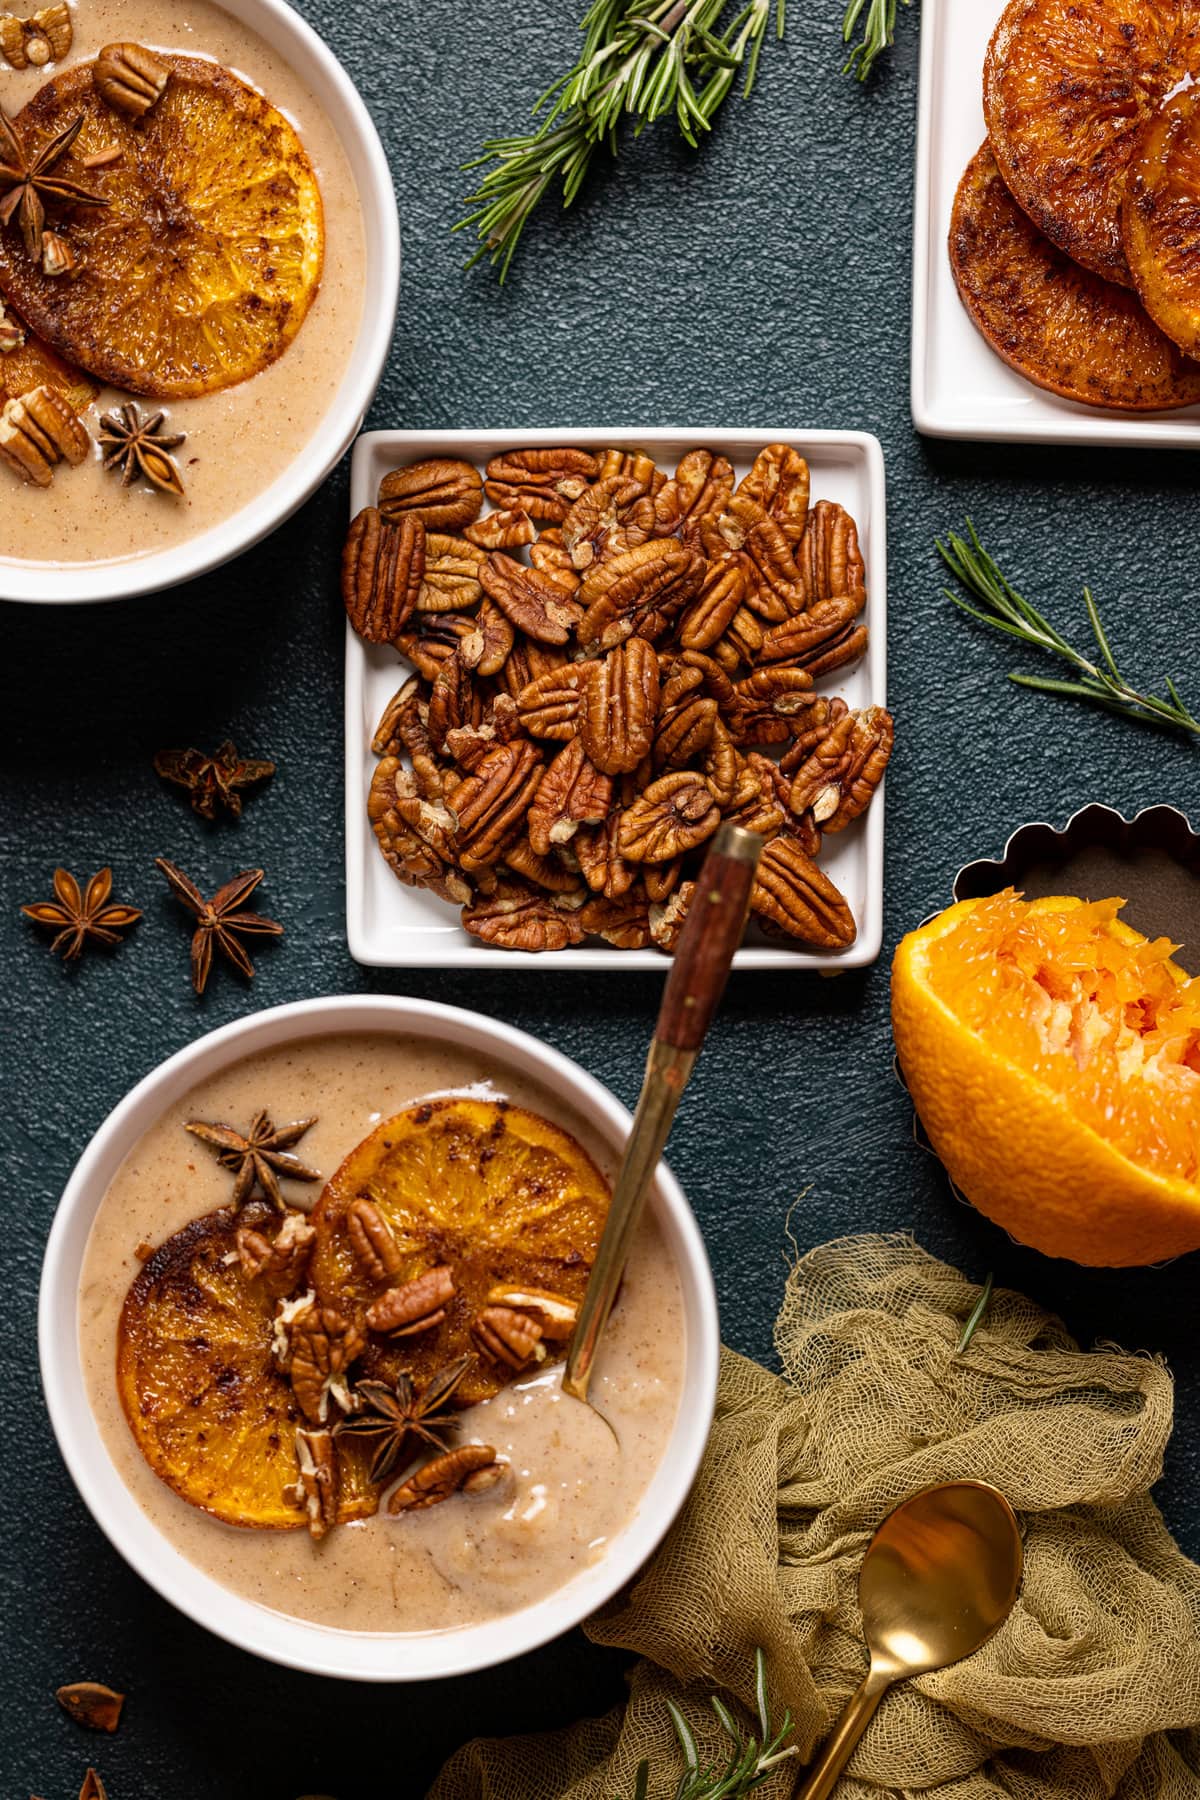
763,283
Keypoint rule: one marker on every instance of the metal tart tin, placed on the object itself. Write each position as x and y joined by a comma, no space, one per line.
1151,860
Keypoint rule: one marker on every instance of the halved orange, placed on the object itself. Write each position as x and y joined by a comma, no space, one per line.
34,365
210,1411
500,1195
1161,219
1053,1055
1057,324
203,265
1066,86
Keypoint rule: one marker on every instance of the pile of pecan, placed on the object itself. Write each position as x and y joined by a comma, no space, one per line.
608,663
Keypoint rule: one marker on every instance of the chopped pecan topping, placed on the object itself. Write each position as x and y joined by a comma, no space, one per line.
382,570
539,605
779,483
507,528
417,1306
438,1479
316,1488
91,1704
372,1241
611,516
37,432
829,558
280,1263
322,1346
543,483
444,492
638,593
571,793
508,1336
491,803
675,813
792,892
550,705
702,483
517,917
620,706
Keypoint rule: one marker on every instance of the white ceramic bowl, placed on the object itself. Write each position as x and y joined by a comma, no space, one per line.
334,94
320,1649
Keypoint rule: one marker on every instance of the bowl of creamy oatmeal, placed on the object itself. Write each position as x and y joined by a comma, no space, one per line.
174,1448
190,338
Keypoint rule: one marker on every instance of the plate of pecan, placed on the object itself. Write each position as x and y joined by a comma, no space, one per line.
570,655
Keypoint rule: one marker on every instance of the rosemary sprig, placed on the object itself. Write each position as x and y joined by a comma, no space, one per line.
878,34
638,63
751,1759
1004,609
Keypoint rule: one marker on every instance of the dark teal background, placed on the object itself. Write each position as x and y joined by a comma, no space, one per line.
764,283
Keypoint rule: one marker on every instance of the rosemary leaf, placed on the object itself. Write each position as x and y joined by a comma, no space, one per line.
1002,608
750,1759
878,35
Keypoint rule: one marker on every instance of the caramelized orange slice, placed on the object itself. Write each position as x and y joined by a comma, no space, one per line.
35,364
1066,86
1057,324
201,268
211,1413
498,1195
1161,219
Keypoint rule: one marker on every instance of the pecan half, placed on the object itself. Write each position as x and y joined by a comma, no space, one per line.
438,1479
742,641
405,726
572,792
491,803
538,604
720,764
543,483
498,639
410,857
316,1488
507,528
130,78
544,871
661,879
686,718
779,482
638,593
556,1315
444,492
722,593
323,1346
451,577
469,744
774,589
551,556
372,1241
550,706
623,923
823,639
382,570
769,706
675,813
39,430
667,917
790,891
432,637
600,861
837,782
620,706
829,558
517,917
754,803
702,483
526,662
280,1263
417,1306
631,465
455,700
821,718
91,1704
611,516
509,1337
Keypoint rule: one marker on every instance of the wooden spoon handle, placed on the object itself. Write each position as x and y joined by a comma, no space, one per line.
711,933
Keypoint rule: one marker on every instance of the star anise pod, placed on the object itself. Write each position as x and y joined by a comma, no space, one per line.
140,446
389,1417
78,916
221,921
215,780
27,182
259,1156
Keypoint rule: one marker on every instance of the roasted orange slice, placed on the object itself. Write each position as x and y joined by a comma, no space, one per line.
34,365
1161,219
202,266
1067,84
498,1196
211,1413
1057,324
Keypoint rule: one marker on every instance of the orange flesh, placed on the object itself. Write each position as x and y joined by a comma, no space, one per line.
1090,1009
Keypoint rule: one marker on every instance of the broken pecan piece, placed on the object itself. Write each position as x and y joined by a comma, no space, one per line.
505,529
790,891
622,923
539,605
316,1487
610,516
405,726
543,483
571,793
667,917
491,803
438,1479
517,917
702,483
450,582
673,815
417,1306
633,466
444,492
431,637
600,861
382,569
837,782
372,1241
508,1336
455,700
638,593
779,482
556,1315
280,1263
620,706
323,1346
38,430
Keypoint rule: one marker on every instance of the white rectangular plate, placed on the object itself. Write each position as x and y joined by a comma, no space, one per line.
392,926
960,387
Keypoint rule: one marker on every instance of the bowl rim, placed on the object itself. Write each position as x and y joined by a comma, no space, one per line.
82,584
317,1649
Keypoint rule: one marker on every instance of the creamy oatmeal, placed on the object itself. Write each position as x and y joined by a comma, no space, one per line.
571,1485
240,440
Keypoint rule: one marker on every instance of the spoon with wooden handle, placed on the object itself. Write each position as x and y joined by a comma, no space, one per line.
711,933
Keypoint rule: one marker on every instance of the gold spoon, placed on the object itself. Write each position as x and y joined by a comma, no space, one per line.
711,933
939,1579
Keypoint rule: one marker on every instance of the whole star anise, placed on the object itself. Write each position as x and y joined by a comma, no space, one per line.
220,921
140,446
389,1417
78,916
215,780
259,1156
27,182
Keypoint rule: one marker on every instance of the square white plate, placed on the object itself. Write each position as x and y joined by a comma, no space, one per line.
392,926
960,387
